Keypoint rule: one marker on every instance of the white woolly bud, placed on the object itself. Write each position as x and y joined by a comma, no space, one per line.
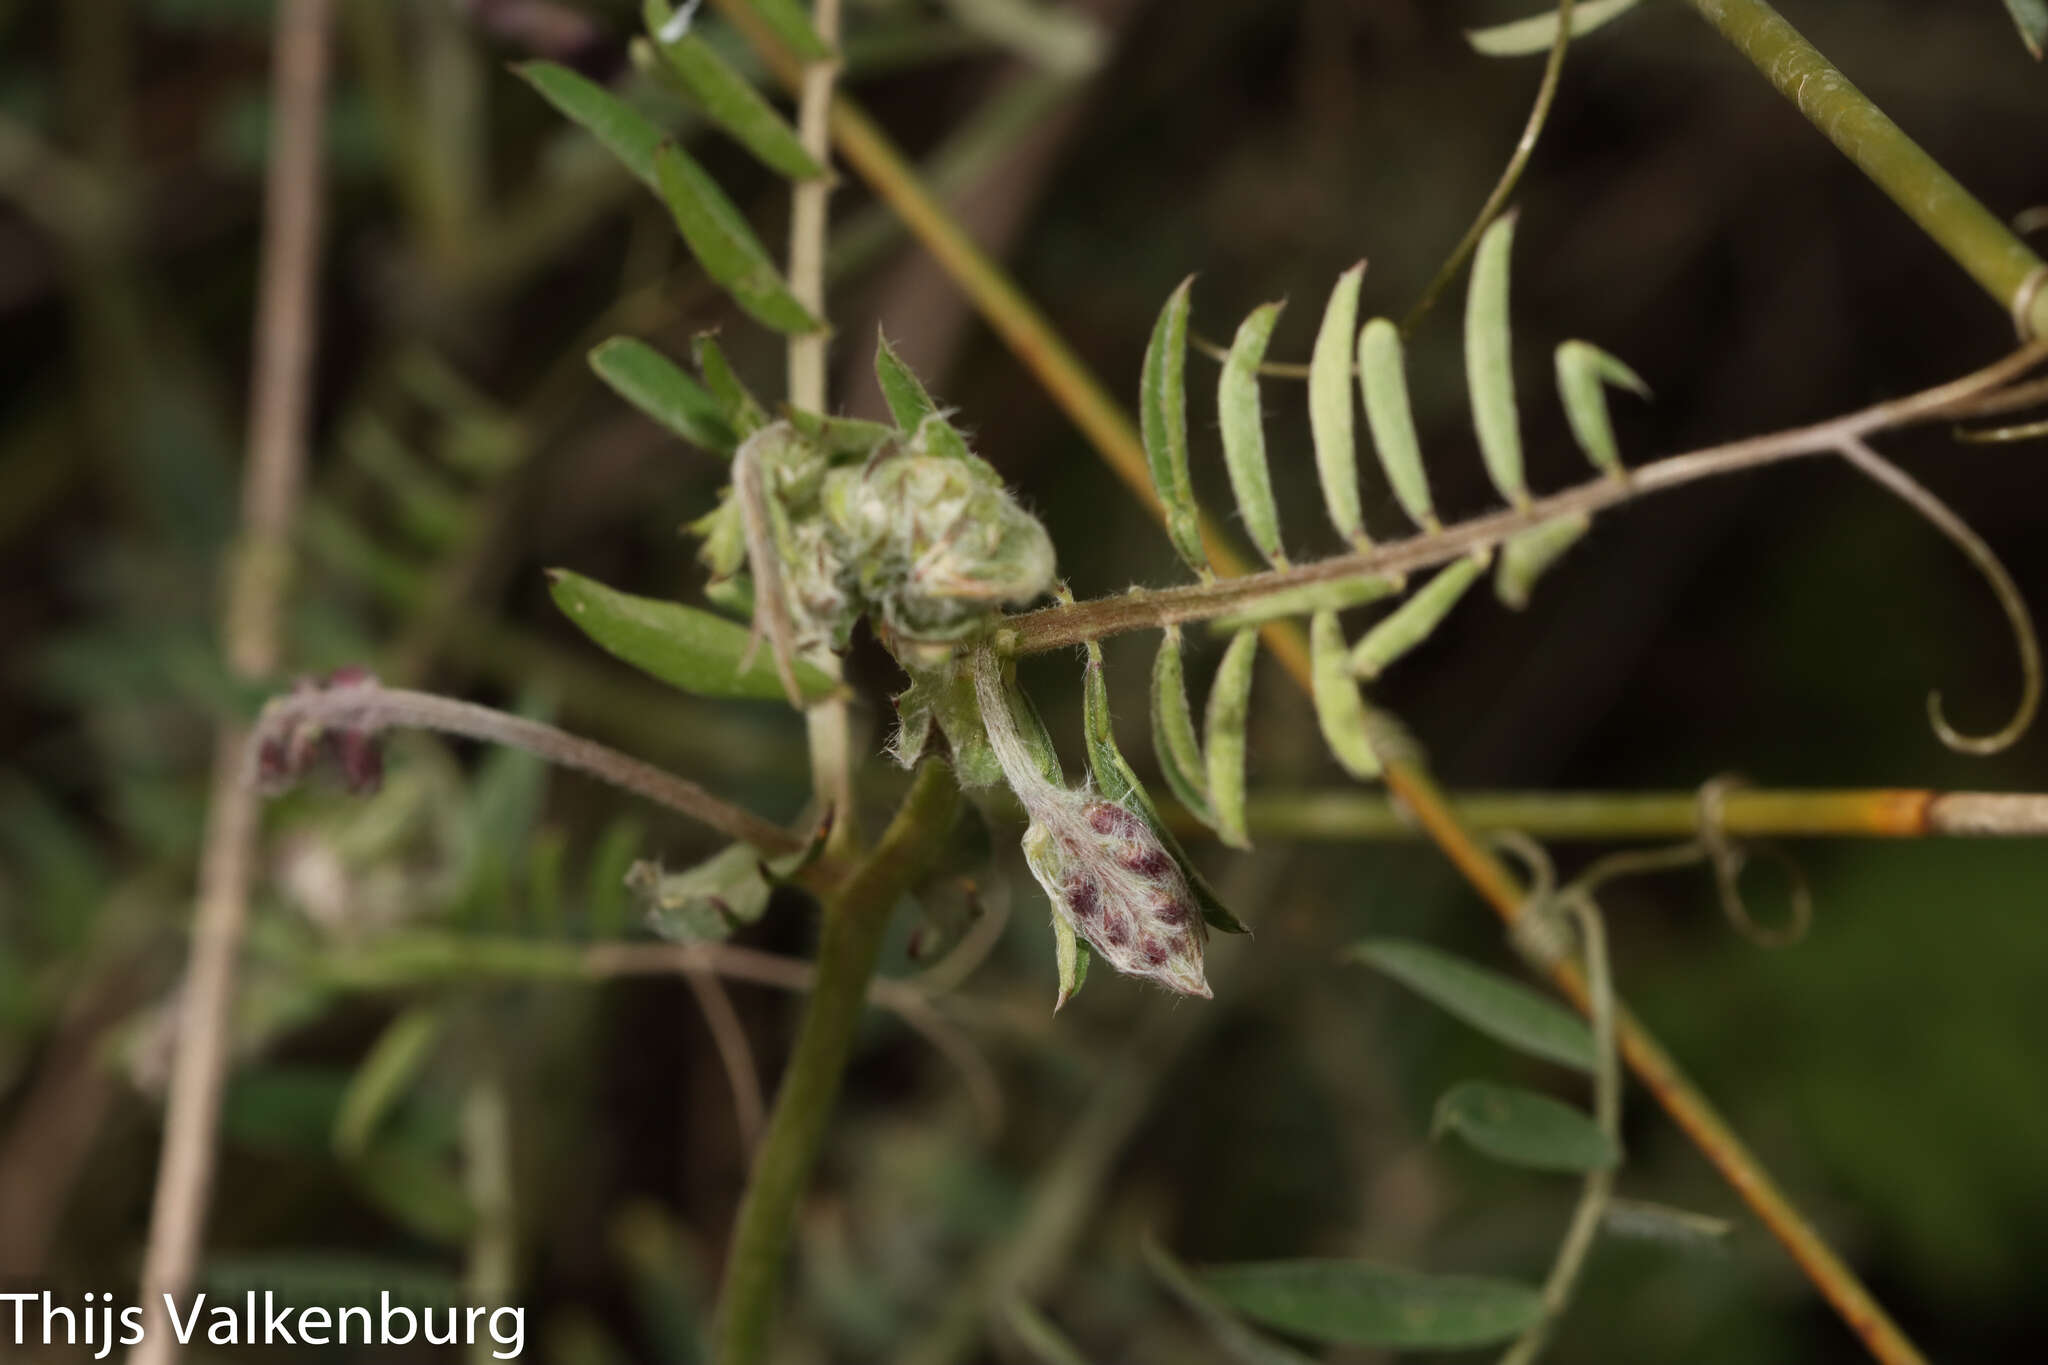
1103,867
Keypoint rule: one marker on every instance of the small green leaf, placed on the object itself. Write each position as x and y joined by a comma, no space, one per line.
382,1078
741,410
653,383
1226,722
1329,408
1163,415
1174,741
1336,595
706,902
1528,554
723,243
1582,368
2031,18
621,129
1537,33
1071,955
1115,780
1340,711
1648,1222
1498,1006
1240,1342
1383,380
790,23
1489,361
1523,1128
1359,1304
685,648
730,99
1244,432
1409,624
911,404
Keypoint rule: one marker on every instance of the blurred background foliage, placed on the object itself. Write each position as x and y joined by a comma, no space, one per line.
1784,626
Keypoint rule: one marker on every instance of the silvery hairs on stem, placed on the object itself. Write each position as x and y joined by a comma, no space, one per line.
1107,874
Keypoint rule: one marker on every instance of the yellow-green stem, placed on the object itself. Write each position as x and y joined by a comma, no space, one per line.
852,937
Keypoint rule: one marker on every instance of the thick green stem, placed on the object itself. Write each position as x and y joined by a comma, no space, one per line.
1995,257
854,920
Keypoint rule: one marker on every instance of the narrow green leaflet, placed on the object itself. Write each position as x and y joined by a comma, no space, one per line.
1115,780
1409,624
1071,956
653,383
1336,595
1523,1128
1682,1228
383,1077
684,647
1244,432
1035,1332
792,25
1582,368
1383,381
1226,722
1239,1341
908,400
723,243
1329,408
1528,554
730,99
1355,1303
1537,33
2031,18
1340,711
1489,361
1498,1006
621,129
741,410
1163,417
1173,729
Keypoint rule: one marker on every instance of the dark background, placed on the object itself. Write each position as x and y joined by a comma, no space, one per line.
1784,625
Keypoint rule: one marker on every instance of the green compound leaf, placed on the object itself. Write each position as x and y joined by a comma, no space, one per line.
730,99
1173,729
1115,780
653,383
1523,1128
1528,554
723,243
742,411
1163,417
1355,1303
1383,380
1414,620
619,128
1340,711
682,646
1582,368
1336,595
1329,409
1538,33
1489,361
1244,432
1498,1006
1226,721
1239,1341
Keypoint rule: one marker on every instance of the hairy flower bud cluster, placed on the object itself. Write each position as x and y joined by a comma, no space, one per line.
929,544
1104,868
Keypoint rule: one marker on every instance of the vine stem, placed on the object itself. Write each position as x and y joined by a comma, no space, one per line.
853,922
1952,218
1035,342
1341,815
252,623
829,724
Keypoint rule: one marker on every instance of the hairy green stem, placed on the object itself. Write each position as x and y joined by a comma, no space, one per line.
854,920
1970,233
